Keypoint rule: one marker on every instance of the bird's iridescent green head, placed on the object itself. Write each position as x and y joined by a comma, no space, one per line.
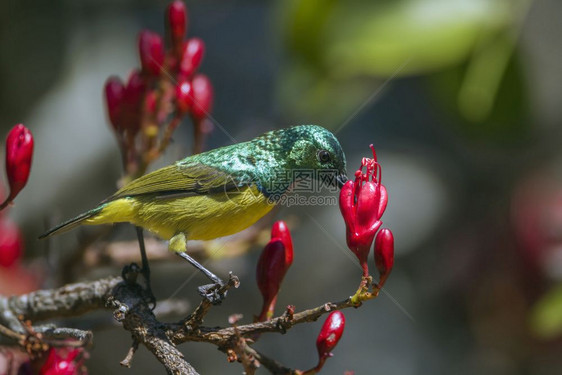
317,148
310,147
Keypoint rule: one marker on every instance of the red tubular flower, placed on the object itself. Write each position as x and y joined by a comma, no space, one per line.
176,15
269,275
329,335
192,56
280,230
184,97
114,94
384,254
151,52
56,364
275,260
362,204
11,243
19,152
202,97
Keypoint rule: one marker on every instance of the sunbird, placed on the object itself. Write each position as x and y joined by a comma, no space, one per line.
219,192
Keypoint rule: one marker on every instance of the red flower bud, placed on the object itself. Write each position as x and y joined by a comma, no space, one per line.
384,254
362,204
184,96
132,102
114,94
151,51
329,336
192,56
202,97
135,88
11,243
56,364
281,231
176,15
19,152
271,270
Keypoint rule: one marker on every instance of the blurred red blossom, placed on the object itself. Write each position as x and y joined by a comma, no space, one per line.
64,362
151,52
184,96
192,56
202,97
11,243
146,110
114,94
176,14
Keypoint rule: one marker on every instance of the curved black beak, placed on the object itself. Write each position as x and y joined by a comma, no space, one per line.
341,180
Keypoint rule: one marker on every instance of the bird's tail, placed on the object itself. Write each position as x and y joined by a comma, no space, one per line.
72,223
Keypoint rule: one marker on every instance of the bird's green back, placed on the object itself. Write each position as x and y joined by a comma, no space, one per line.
256,162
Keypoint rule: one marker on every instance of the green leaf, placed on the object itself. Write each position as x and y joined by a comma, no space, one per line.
493,111
350,38
546,316
340,50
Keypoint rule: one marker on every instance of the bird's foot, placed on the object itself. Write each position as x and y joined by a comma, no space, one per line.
130,273
149,297
214,293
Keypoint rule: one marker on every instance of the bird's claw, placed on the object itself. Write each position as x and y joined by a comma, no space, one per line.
129,275
130,272
149,299
214,293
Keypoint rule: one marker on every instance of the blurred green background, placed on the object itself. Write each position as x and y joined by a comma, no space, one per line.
462,100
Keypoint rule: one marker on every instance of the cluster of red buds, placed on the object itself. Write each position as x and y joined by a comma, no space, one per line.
327,339
145,111
362,204
275,260
19,152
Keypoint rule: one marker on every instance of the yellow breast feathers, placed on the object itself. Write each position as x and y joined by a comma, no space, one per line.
200,217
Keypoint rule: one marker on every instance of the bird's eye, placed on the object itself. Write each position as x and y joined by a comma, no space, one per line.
323,156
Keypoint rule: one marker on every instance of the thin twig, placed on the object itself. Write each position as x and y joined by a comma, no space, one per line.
272,365
65,337
129,358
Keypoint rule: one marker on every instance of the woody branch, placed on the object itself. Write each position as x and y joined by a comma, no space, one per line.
130,307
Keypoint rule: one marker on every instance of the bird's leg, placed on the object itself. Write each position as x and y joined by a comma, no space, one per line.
145,270
178,244
209,291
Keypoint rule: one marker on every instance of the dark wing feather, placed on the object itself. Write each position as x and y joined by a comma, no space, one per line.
180,180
